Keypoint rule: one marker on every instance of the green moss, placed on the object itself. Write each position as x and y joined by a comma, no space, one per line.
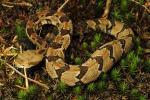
28,94
3,30
22,95
100,4
20,30
101,85
81,97
115,74
97,38
49,98
134,93
19,81
130,63
103,76
142,97
87,53
77,90
123,87
62,87
124,5
117,15
91,87
93,44
32,90
78,60
141,2
84,45
147,66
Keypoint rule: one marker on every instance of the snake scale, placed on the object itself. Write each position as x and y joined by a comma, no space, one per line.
100,61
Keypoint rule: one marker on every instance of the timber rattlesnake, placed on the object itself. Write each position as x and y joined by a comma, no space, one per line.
100,61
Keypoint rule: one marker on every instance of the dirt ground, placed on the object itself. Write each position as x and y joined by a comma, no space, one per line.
13,21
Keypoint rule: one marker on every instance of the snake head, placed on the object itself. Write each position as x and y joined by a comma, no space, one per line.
104,24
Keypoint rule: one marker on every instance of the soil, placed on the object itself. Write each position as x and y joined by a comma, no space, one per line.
78,11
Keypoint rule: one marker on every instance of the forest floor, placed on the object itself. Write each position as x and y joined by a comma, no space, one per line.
128,79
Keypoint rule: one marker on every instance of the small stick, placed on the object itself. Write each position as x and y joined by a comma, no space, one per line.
1,84
12,4
147,51
28,78
148,10
107,9
60,8
18,86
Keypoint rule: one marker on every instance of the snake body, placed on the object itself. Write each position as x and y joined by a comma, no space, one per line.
100,61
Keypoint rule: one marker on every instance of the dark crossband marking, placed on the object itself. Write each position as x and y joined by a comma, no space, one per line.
64,19
99,59
83,70
40,40
55,45
64,31
62,70
50,13
124,27
123,43
30,31
53,58
110,48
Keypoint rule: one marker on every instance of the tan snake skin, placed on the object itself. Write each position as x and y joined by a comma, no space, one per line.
100,61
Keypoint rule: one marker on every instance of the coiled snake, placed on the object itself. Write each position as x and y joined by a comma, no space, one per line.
100,61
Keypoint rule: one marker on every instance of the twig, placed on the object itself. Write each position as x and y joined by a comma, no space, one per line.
147,51
148,10
60,8
20,87
107,8
1,84
12,4
28,78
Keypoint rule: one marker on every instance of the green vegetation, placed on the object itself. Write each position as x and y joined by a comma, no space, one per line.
96,40
19,81
28,94
138,46
141,2
115,74
124,5
99,6
123,87
147,66
77,90
101,85
93,44
81,97
49,98
22,95
91,87
130,63
87,53
134,93
84,45
3,30
121,10
62,87
78,60
142,97
20,30
103,76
